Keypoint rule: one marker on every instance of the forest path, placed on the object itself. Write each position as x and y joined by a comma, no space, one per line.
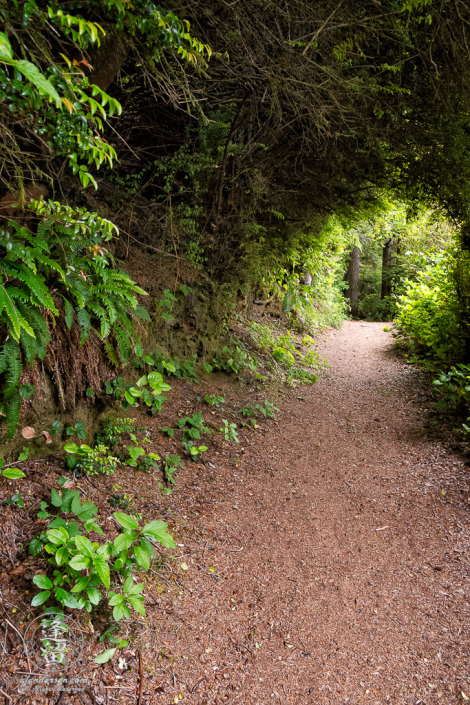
353,583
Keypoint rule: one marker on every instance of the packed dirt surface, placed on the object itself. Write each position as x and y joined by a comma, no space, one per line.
339,552
322,560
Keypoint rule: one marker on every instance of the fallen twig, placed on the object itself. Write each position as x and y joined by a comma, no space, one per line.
141,673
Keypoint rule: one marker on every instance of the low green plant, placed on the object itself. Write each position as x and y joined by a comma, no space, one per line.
235,359
284,358
78,429
173,366
266,410
11,473
213,400
149,389
453,387
229,431
168,300
166,305
111,430
56,428
91,461
193,428
113,640
172,464
15,499
87,568
138,458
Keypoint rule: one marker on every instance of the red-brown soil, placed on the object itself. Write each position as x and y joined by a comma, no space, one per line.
325,557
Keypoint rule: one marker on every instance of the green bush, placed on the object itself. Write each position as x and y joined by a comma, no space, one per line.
428,320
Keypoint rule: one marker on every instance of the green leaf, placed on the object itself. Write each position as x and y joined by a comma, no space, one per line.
143,557
128,584
43,582
71,447
80,562
121,611
62,555
40,598
94,595
116,599
32,73
35,547
13,473
102,568
84,545
123,541
81,584
126,521
155,527
136,589
56,499
56,536
5,46
142,313
137,603
105,656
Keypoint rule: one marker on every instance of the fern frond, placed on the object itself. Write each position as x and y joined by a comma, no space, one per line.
13,368
29,347
68,313
13,414
36,284
108,304
124,342
14,319
85,324
111,353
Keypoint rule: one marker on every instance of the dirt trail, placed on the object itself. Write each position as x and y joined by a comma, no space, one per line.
353,583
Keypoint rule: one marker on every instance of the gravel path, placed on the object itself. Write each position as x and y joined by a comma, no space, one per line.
352,584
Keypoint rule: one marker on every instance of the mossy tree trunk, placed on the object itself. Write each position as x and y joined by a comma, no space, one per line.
387,269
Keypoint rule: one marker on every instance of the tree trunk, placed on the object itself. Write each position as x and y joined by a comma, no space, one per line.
387,269
352,278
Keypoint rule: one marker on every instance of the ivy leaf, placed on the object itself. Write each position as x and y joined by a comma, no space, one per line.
105,656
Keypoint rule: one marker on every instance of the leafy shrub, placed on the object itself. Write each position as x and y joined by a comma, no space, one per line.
453,387
428,312
87,568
